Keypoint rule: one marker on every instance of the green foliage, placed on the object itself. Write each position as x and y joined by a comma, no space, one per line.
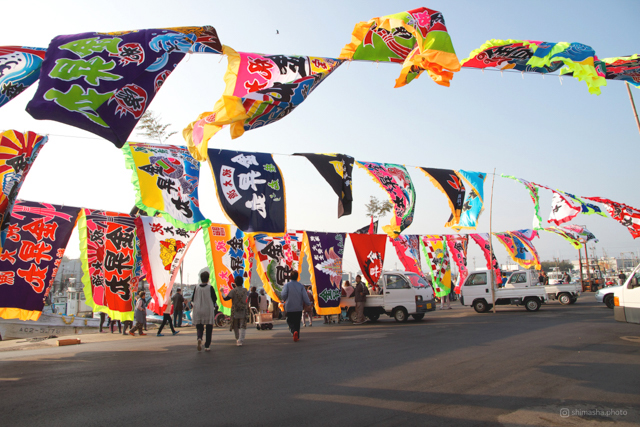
564,265
377,209
151,126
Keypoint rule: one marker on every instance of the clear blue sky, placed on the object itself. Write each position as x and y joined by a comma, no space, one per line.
532,127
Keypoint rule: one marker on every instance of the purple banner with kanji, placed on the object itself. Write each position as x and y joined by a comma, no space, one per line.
37,236
324,254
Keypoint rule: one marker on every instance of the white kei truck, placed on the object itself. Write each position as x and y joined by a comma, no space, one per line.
626,299
476,292
403,293
566,293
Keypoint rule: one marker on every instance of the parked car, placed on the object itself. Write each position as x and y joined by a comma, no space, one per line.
605,295
403,293
476,292
626,299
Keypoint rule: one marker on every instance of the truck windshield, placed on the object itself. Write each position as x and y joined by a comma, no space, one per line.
417,281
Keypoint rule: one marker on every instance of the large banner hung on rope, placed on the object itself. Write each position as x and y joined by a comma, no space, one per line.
369,249
624,214
580,231
228,257
278,257
417,38
473,203
166,178
568,235
535,198
250,190
20,69
520,247
104,82
107,245
260,90
395,180
324,253
437,256
37,236
18,151
163,247
482,239
625,68
408,250
337,170
447,181
457,245
575,59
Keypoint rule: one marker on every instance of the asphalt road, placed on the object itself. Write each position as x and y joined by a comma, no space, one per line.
454,368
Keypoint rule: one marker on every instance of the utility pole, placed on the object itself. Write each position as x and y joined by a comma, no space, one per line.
586,255
580,263
633,106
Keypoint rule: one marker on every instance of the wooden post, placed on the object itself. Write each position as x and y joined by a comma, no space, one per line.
633,106
493,286
586,255
580,262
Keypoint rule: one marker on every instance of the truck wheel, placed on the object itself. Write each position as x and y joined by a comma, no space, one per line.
564,298
374,317
608,300
480,306
352,315
418,316
532,304
401,315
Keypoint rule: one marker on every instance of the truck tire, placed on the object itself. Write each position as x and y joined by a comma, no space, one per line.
480,306
374,317
608,300
532,304
573,300
418,316
564,298
352,315
400,314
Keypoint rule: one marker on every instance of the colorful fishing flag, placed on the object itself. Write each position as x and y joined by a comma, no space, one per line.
624,214
436,254
473,203
581,231
324,255
107,245
37,236
260,90
166,178
163,247
228,257
535,198
407,248
482,239
18,151
577,59
447,181
416,38
396,181
585,208
568,235
337,170
626,68
369,249
278,257
520,248
563,208
20,69
104,82
250,190
457,245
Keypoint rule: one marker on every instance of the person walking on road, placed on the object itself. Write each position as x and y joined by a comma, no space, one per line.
294,297
361,293
622,278
204,298
263,303
239,307
307,312
254,299
166,318
178,301
140,315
